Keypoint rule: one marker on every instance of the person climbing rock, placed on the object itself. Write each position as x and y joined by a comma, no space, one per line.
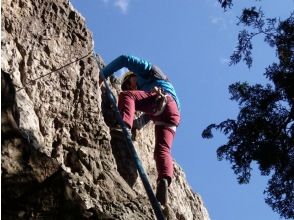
146,88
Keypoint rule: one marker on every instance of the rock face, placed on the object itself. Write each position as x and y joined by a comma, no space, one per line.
59,158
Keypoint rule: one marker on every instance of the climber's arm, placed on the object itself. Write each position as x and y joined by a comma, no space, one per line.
134,64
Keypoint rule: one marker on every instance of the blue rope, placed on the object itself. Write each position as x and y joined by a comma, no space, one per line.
155,205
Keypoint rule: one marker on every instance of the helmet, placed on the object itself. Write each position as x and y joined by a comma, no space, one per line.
125,79
126,76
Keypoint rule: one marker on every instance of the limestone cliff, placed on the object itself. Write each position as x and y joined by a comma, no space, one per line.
58,157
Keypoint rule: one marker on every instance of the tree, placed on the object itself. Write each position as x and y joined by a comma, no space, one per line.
263,131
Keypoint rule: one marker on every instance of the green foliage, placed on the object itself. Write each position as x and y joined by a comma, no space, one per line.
226,3
263,131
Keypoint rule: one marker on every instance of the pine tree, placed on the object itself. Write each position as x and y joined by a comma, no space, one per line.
263,131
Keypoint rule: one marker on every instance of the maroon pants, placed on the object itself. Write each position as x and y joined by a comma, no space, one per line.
137,100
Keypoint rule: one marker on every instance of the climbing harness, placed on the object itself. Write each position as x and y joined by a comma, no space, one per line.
161,100
155,205
170,126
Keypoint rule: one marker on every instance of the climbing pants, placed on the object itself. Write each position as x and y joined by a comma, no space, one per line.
137,100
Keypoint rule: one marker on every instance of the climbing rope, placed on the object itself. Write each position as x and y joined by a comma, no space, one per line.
155,204
68,24
53,71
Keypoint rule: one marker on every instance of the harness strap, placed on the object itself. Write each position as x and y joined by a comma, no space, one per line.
161,105
161,100
168,125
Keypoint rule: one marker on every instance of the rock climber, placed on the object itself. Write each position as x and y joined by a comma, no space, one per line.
146,88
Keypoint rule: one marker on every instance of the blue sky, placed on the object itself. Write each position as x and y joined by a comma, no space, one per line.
191,41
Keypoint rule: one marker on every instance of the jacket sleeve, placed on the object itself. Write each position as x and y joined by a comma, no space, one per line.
134,64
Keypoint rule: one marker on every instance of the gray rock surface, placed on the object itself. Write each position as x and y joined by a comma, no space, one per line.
59,159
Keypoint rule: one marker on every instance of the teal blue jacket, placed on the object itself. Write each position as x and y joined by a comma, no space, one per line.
142,70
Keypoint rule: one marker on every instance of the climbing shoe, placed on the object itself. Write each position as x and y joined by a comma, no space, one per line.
161,191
